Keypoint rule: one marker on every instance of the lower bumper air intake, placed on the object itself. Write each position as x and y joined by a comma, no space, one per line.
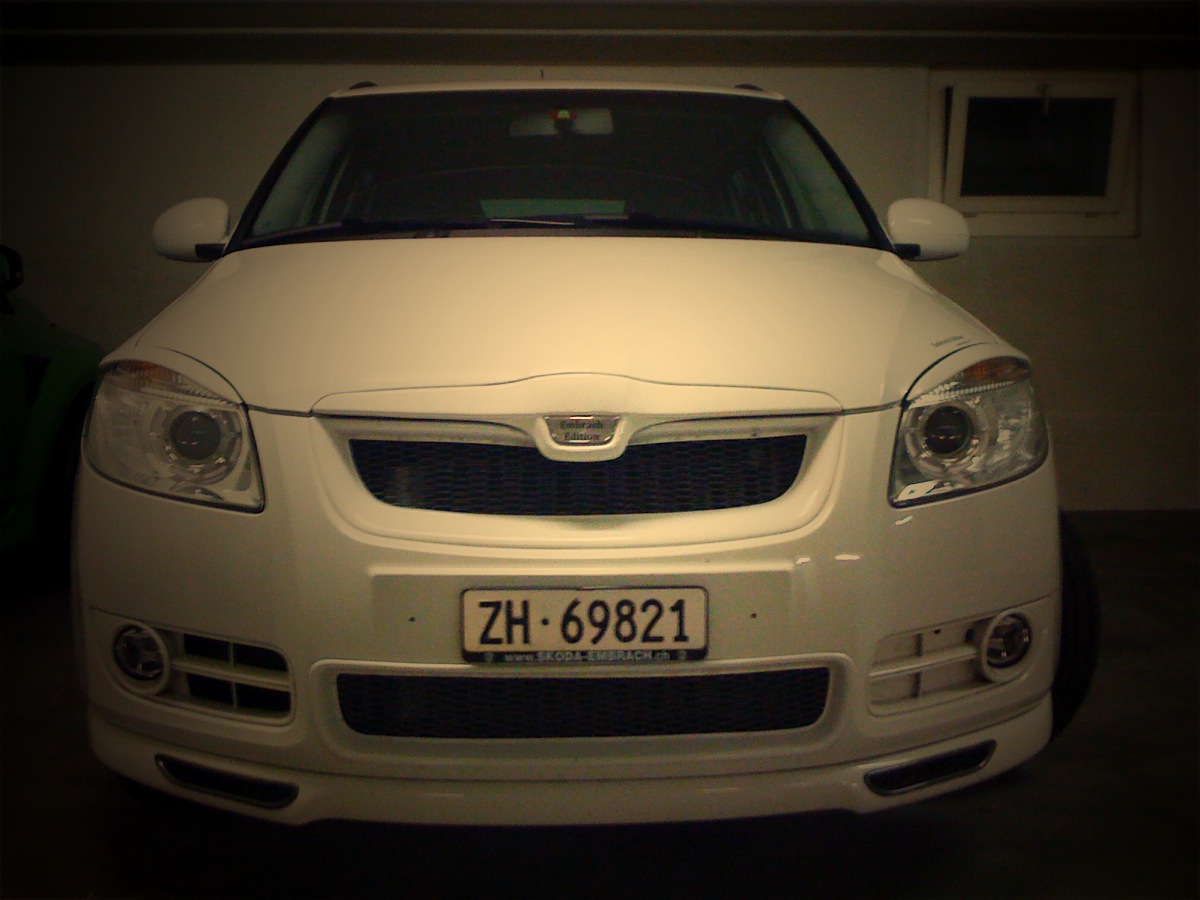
934,770
241,788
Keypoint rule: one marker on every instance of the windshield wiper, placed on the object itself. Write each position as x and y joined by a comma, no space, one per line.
713,228
644,221
354,226
351,227
416,227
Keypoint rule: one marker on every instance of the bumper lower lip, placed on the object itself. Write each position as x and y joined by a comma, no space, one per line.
297,797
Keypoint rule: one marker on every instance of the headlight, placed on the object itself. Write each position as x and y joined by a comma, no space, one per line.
976,429
159,431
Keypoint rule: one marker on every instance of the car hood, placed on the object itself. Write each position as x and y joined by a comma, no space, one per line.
291,325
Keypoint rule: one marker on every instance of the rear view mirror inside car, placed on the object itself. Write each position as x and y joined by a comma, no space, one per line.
553,122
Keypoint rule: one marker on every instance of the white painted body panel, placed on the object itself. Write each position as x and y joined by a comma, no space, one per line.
290,326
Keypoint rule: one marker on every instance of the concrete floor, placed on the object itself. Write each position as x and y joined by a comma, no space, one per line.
1108,810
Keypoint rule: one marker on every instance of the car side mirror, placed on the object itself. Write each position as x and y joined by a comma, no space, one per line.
13,268
193,231
925,229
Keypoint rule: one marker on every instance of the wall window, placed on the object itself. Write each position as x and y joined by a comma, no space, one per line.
1035,153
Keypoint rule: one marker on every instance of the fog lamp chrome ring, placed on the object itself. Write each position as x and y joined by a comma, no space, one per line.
1005,646
141,657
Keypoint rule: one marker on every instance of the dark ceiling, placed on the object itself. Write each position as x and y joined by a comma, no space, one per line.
1004,33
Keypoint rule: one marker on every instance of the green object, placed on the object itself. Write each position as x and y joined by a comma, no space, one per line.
46,380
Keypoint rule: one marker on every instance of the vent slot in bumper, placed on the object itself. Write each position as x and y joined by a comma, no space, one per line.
558,707
931,771
229,677
254,791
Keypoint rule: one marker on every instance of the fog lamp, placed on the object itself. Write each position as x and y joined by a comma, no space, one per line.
1005,644
142,657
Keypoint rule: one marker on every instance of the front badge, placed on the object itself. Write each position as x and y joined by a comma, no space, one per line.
577,430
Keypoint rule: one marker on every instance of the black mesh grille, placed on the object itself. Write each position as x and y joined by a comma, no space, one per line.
683,476
448,707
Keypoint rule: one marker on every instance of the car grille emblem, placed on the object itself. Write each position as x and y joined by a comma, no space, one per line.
577,430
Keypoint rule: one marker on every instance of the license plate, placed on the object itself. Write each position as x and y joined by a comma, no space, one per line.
583,626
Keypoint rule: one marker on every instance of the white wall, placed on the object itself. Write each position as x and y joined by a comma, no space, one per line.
91,155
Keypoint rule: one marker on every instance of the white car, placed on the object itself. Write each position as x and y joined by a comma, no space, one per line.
568,453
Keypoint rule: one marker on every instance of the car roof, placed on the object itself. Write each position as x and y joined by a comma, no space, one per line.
633,86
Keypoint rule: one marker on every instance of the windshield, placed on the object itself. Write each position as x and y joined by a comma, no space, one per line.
467,160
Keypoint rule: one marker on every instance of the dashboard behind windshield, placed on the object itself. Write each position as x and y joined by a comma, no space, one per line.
378,163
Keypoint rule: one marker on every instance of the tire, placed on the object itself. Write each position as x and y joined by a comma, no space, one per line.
54,525
1079,637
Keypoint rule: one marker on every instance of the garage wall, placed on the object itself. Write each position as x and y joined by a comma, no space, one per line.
92,153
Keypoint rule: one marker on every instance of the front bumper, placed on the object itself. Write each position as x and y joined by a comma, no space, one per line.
320,580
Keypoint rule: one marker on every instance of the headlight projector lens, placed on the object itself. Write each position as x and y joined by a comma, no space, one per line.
195,436
947,431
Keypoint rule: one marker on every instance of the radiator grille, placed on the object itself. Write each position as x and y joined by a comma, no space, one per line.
534,707
683,476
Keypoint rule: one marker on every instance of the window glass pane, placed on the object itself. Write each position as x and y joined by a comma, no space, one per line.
816,192
1030,146
301,192
466,156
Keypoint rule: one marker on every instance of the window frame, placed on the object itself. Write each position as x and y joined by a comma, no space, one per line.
1113,213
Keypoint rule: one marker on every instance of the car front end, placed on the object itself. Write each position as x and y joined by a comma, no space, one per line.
563,520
